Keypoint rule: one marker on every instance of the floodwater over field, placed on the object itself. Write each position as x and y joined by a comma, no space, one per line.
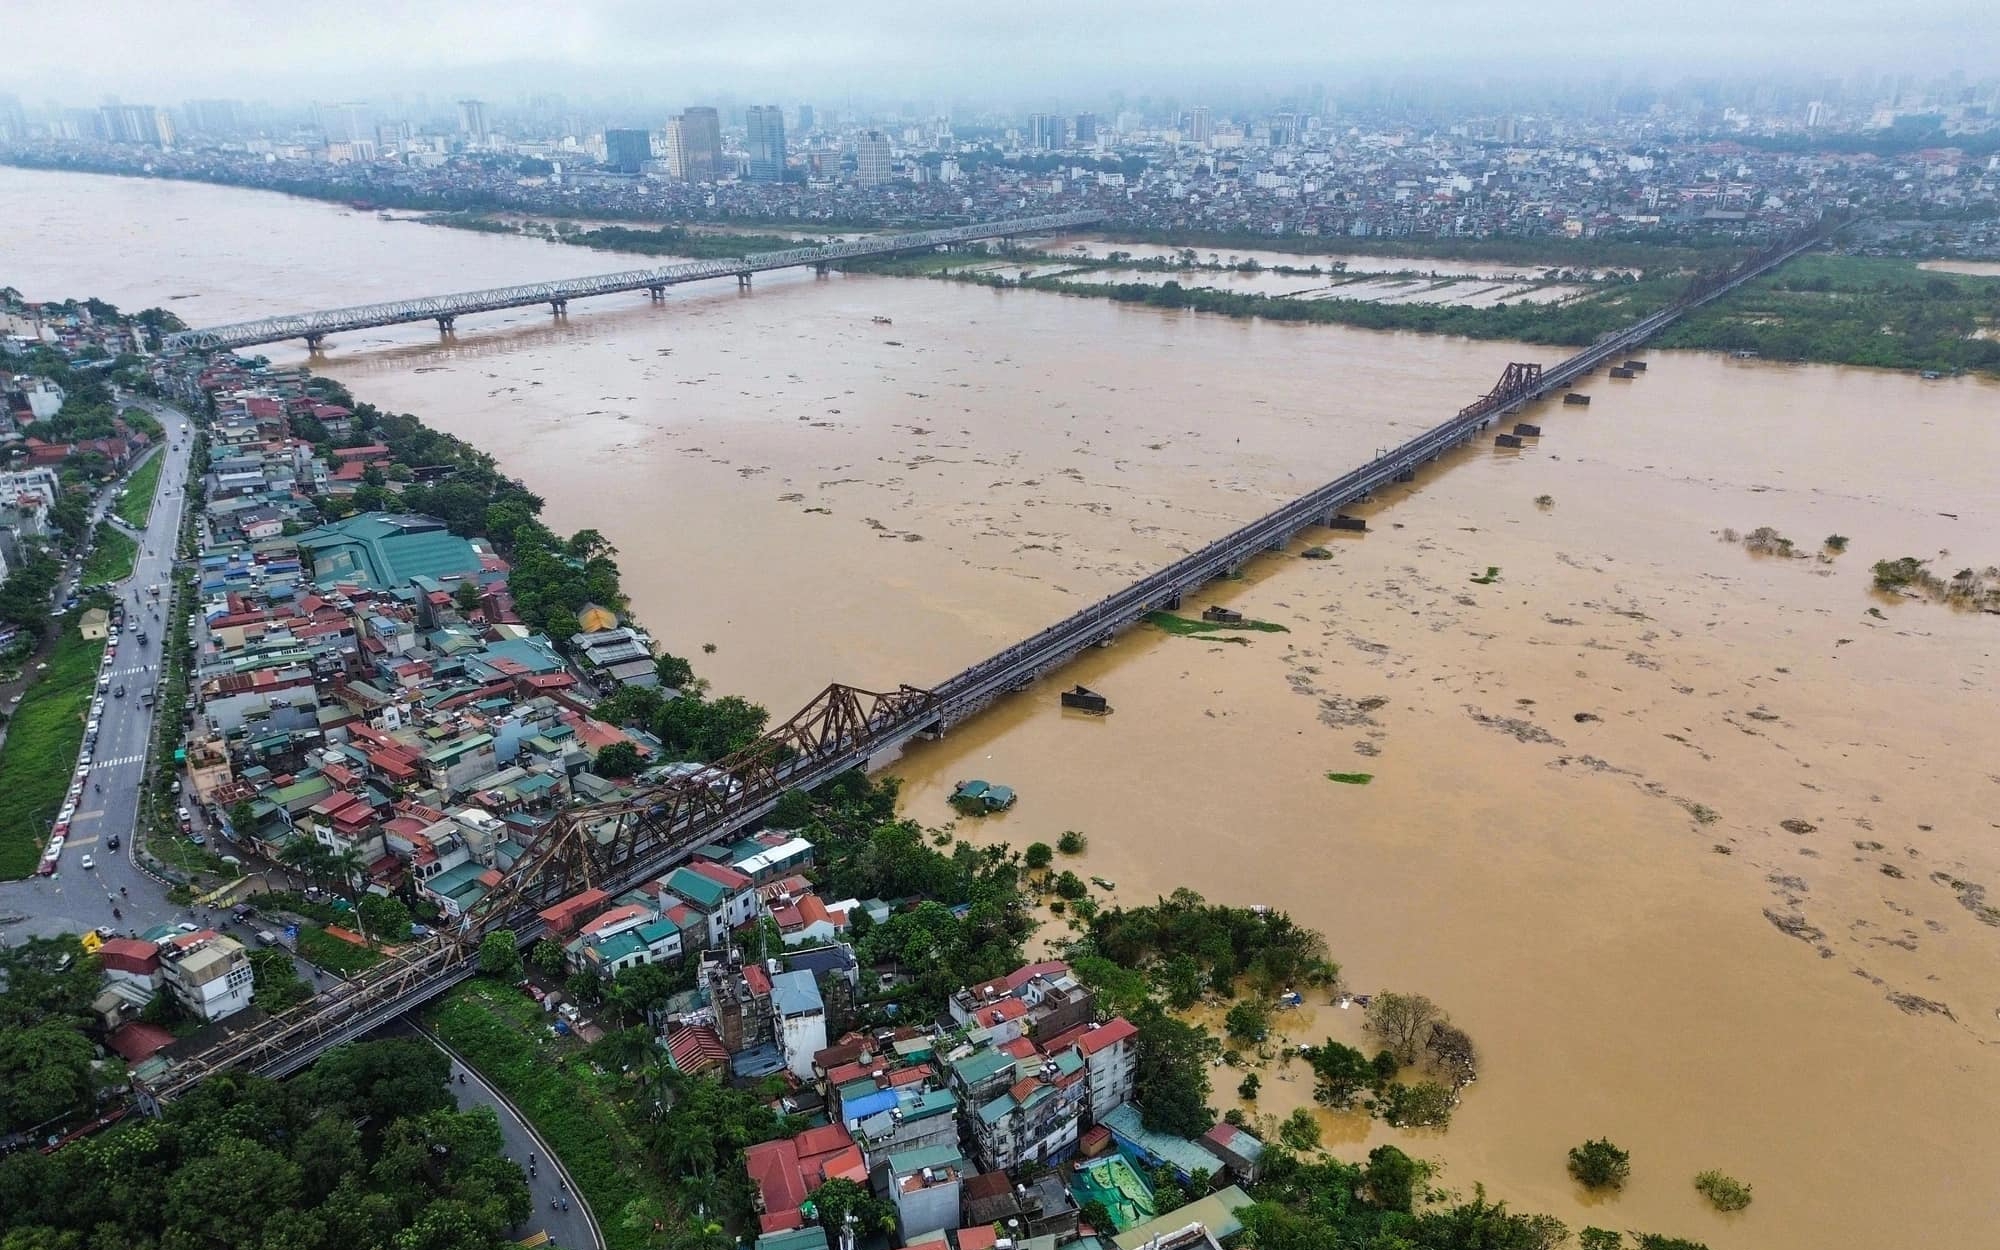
1695,845
1975,268
1438,265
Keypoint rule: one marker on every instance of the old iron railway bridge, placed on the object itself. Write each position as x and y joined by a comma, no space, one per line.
314,327
617,846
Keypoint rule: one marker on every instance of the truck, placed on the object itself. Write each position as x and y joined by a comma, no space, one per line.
146,697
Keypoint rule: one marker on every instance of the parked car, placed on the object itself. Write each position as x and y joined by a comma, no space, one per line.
88,862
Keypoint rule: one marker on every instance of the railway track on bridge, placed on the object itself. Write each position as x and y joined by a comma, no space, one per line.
618,846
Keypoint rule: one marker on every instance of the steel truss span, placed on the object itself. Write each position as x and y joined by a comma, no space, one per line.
617,846
314,326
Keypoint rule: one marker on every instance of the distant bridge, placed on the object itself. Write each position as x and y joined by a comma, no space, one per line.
618,846
314,327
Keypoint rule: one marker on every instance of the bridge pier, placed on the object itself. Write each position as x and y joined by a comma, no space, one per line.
313,341
742,281
657,293
560,307
447,324
819,270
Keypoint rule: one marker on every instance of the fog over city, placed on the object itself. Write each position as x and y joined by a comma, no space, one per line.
974,53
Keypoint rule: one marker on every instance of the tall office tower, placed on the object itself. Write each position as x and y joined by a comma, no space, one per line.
345,122
871,159
1046,131
694,145
805,118
766,142
1284,129
1200,128
472,120
163,128
214,117
1086,129
627,151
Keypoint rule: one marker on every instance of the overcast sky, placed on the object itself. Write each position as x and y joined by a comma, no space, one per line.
1005,51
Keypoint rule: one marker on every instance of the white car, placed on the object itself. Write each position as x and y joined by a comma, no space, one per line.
88,862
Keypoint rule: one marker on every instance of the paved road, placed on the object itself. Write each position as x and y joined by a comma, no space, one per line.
75,898
566,1228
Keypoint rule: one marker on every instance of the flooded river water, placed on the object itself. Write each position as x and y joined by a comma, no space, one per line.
1695,843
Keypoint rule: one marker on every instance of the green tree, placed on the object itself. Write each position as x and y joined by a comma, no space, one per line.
387,919
794,810
1248,1021
1170,1073
1394,1178
1594,1238
1340,1073
1072,843
548,958
242,818
620,759
1300,1131
561,626
1039,855
467,596
45,1072
1600,1165
1424,1104
1181,979
840,1198
1069,885
500,955
1723,1191
1248,1087
674,672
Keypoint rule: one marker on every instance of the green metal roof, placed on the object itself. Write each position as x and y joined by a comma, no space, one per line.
384,551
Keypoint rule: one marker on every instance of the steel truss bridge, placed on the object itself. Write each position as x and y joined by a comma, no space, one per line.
618,846
315,327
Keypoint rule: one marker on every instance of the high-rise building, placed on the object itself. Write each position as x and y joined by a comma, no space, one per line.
871,159
805,118
627,151
135,123
766,142
344,122
1086,129
472,120
1046,131
1200,128
694,145
214,117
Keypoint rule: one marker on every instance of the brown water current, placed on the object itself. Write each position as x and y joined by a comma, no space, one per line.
1696,846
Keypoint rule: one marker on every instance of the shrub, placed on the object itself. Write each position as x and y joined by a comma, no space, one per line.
1069,885
1039,855
1072,843
1300,1131
1896,574
1724,1192
1247,1088
1600,1165
1425,1104
1248,1021
1835,542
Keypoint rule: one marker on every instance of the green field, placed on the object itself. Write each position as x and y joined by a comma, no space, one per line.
571,1103
137,505
336,954
114,557
40,752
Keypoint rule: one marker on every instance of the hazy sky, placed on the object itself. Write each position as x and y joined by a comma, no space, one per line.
163,51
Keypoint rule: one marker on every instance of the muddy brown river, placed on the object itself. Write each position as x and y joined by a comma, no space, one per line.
1697,843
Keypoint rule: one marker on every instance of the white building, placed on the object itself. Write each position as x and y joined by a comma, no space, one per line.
210,974
798,1016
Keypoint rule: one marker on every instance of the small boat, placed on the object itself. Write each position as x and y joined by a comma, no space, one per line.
1104,883
882,321
1084,699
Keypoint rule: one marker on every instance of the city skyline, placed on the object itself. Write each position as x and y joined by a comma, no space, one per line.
619,48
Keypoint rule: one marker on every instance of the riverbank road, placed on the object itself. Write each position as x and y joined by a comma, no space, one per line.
76,899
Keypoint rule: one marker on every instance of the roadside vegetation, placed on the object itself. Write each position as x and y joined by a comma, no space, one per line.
363,1151
137,506
1187,626
39,755
114,557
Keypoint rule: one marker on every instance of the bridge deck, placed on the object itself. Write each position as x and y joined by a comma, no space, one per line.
314,326
288,1042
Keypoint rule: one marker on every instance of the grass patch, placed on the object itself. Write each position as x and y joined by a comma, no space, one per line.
114,557
137,506
185,855
335,955
40,751
1189,627
1492,575
573,1106
1351,779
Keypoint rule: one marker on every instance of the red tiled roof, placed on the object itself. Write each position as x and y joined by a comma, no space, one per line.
1109,1033
136,1041
697,1048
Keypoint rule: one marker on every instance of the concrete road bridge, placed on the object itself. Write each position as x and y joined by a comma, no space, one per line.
314,327
617,846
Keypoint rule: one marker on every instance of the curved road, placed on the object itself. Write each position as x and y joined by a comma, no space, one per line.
574,1227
